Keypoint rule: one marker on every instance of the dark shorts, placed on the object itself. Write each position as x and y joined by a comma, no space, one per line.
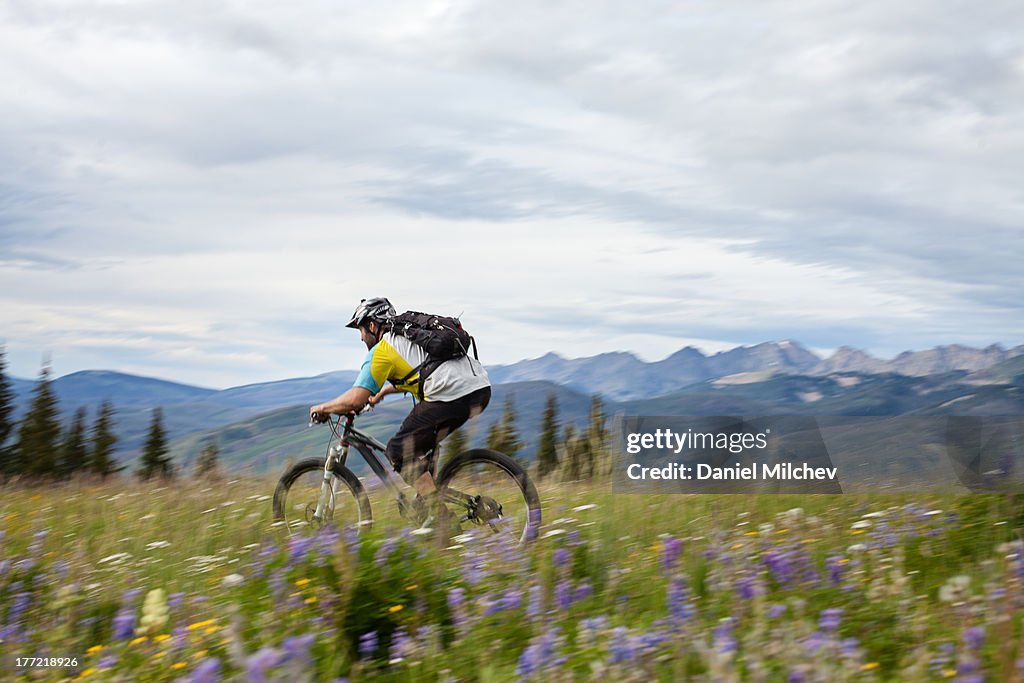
413,449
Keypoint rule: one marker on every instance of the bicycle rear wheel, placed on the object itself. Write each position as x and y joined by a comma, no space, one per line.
490,491
300,488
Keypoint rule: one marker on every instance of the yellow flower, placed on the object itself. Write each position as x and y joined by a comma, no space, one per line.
140,639
656,547
782,531
94,649
161,638
310,600
949,673
211,629
301,582
396,608
160,654
752,533
869,666
87,672
200,654
179,665
200,624
412,587
736,546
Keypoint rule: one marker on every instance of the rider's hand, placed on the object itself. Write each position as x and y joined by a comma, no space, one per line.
317,415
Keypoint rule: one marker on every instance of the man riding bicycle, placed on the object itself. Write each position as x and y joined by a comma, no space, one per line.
454,392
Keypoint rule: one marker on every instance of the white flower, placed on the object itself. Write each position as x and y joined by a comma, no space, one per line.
154,612
553,532
861,524
116,557
581,508
232,580
766,528
157,544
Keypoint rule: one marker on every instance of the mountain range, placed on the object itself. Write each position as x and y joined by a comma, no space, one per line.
259,424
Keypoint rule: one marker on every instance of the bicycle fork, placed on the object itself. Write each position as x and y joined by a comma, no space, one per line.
328,488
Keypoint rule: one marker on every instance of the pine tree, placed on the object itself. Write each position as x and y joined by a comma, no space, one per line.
74,452
6,415
547,453
102,460
455,443
596,438
39,432
572,454
207,464
155,458
502,435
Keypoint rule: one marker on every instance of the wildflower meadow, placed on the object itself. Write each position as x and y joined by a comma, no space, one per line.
192,582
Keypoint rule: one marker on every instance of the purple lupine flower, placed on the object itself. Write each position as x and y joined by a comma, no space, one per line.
298,547
583,591
260,663
776,611
124,624
175,600
830,619
974,637
620,646
849,647
745,587
368,644
108,661
671,550
796,676
207,671
511,599
540,653
815,641
384,551
723,638
780,565
5,565
835,570
679,606
563,595
533,602
297,650
560,557
402,646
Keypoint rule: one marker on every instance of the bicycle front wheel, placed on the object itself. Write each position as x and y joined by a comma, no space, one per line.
490,491
301,489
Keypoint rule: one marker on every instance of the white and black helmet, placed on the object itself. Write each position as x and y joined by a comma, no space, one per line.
377,309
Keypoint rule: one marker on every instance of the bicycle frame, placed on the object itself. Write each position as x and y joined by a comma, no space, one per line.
372,451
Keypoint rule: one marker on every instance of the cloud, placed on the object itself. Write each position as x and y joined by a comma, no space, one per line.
574,178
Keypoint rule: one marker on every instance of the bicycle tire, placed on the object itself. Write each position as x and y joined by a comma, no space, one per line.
315,466
520,495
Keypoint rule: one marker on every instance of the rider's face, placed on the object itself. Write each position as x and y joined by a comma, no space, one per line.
368,333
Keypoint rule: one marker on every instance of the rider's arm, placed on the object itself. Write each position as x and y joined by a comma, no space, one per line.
379,396
351,401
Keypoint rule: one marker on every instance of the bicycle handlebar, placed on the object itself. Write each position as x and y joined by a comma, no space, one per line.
367,408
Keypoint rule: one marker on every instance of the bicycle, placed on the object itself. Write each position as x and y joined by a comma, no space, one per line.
479,486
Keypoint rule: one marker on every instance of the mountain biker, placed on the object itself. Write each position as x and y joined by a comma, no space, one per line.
456,391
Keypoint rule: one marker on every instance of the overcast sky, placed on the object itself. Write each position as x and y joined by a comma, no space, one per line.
202,190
